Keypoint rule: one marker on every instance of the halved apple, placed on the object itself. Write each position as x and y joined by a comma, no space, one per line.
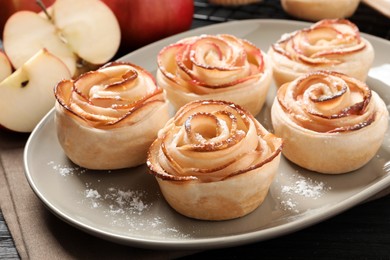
5,66
89,27
86,30
26,32
27,94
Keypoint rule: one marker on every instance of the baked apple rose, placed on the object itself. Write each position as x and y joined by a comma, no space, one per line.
219,67
214,161
330,122
330,44
107,119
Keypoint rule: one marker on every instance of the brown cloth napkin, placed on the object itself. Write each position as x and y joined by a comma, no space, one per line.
39,234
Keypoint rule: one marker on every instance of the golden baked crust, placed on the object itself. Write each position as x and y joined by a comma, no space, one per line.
330,122
220,67
107,119
316,10
214,160
326,45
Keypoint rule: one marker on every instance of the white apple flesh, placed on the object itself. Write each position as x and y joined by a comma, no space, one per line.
27,94
5,66
89,27
26,32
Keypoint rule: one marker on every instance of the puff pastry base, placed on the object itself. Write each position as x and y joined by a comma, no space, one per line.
330,153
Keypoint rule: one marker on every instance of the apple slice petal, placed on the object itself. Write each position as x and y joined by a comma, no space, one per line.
90,28
5,66
26,32
27,94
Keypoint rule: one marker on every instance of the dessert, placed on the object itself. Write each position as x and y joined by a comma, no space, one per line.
214,161
316,10
330,122
107,119
220,67
326,45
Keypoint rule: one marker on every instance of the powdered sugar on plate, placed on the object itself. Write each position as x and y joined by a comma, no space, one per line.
129,209
124,208
305,187
66,170
293,188
118,202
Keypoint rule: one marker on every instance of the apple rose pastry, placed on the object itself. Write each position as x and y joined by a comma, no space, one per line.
107,119
315,10
330,122
214,161
327,45
219,67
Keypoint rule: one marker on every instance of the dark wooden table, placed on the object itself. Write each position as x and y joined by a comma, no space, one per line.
362,232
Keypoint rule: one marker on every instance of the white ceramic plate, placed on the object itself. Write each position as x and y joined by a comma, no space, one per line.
126,206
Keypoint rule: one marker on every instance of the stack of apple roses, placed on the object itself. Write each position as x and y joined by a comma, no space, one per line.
213,160
330,120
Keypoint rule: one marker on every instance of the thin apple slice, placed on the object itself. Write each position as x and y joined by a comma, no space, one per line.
26,32
5,66
27,94
90,28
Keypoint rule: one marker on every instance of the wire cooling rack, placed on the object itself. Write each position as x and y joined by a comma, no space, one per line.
367,19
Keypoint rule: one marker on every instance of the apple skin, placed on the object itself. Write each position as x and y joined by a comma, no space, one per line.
8,7
145,21
27,94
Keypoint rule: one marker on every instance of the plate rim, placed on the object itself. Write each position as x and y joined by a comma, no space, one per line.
214,242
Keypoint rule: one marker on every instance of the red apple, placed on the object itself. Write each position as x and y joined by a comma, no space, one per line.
8,7
146,21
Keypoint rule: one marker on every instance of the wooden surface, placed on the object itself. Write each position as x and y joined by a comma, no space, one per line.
362,232
7,247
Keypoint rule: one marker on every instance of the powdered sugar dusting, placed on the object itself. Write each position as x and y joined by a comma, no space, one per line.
295,188
66,170
126,201
305,187
128,209
116,201
289,204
